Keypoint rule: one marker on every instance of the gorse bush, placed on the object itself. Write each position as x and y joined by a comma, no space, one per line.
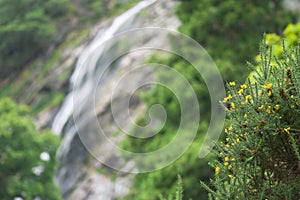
179,192
260,157
229,31
291,35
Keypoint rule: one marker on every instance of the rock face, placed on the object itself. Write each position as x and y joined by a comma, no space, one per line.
293,5
80,175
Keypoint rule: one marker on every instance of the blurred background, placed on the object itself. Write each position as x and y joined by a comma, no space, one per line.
48,66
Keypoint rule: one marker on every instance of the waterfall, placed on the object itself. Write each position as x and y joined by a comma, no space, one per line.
71,153
98,68
86,65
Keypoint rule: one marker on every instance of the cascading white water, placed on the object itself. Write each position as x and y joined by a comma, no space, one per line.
94,59
85,69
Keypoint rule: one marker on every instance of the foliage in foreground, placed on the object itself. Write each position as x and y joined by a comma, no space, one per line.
27,158
260,157
179,192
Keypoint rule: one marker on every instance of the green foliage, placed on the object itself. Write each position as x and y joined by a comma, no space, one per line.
46,100
23,60
229,30
163,181
25,170
96,9
26,29
179,191
56,8
260,157
291,35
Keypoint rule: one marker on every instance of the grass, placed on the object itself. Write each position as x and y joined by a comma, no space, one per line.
47,101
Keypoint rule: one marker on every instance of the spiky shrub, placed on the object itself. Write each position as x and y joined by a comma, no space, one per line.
260,156
179,192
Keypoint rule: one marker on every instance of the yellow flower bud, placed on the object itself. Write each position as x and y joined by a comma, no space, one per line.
268,86
269,93
268,110
217,170
240,91
232,83
277,107
287,130
232,105
244,86
261,107
244,103
248,97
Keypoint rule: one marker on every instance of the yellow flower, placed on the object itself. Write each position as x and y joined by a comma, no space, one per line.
277,107
244,86
230,176
245,115
268,86
217,170
230,168
240,91
287,130
269,93
261,107
284,91
226,163
232,159
226,159
227,146
271,159
268,110
232,105
232,83
227,139
227,98
272,39
248,97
